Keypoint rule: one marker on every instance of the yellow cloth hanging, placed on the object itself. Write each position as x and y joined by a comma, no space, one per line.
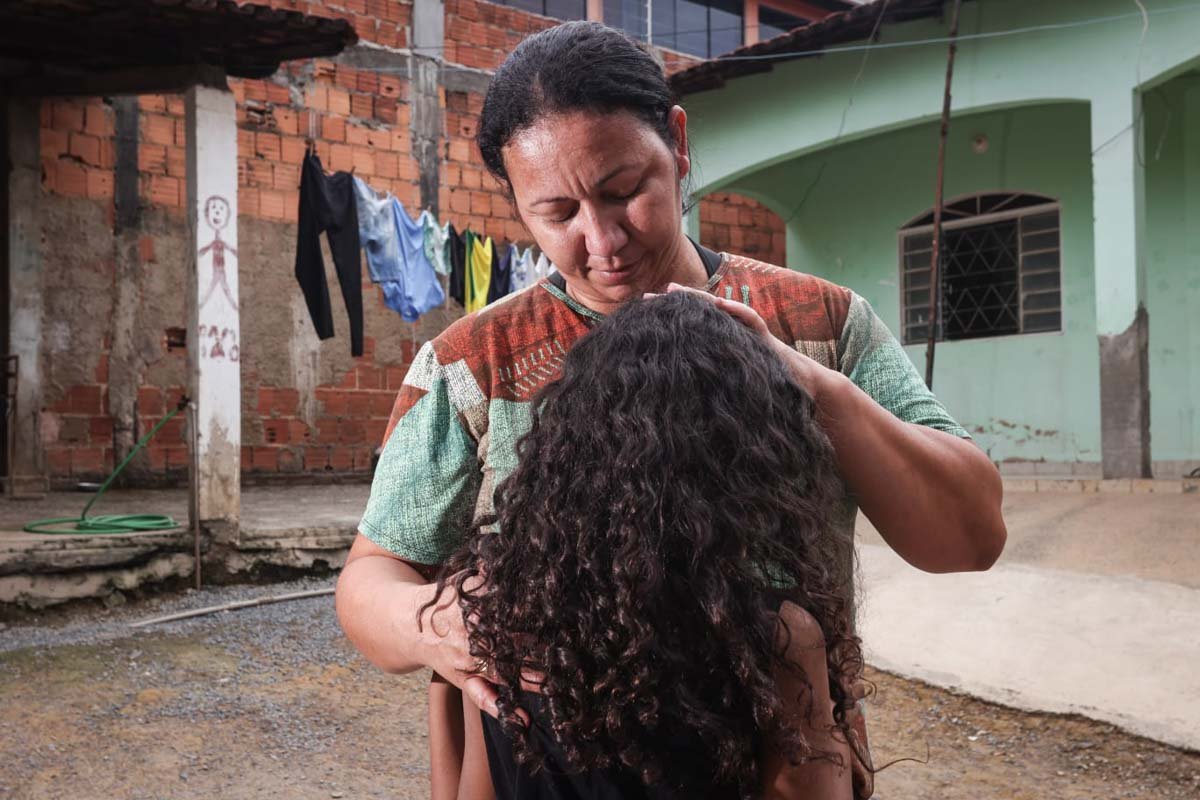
479,276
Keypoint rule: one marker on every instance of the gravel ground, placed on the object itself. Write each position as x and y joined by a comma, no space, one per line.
271,702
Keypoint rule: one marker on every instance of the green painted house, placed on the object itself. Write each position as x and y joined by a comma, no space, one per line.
1069,339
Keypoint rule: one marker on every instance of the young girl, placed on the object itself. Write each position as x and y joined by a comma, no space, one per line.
658,601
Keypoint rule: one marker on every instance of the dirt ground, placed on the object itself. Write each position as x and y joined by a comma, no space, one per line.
271,702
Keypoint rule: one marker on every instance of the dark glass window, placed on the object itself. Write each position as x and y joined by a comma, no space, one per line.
627,15
1000,269
705,28
557,9
772,22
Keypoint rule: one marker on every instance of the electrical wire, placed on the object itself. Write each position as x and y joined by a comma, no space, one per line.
862,67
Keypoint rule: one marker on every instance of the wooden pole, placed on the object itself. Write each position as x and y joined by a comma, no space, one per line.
935,286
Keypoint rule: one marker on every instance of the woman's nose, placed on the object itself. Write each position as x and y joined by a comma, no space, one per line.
603,232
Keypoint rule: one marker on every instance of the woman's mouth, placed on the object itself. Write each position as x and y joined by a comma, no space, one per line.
614,274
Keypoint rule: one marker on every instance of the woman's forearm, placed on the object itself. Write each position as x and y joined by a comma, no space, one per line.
377,601
933,497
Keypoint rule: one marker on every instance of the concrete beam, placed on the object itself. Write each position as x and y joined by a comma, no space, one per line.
27,470
213,312
1122,324
395,61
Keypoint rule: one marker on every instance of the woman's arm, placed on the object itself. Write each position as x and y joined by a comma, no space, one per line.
378,597
934,497
811,709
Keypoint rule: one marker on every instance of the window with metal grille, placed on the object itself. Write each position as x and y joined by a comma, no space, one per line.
1000,268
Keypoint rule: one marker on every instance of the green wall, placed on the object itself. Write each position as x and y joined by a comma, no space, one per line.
1033,397
1172,157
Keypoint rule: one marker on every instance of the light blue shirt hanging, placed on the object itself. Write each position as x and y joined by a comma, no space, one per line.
420,289
377,232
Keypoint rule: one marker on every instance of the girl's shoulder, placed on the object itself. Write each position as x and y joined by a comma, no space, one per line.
798,633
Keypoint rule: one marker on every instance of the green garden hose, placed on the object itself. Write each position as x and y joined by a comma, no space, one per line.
107,524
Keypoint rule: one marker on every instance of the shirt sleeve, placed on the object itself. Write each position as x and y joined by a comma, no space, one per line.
428,478
871,357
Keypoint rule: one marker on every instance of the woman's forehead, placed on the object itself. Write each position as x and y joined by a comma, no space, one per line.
580,147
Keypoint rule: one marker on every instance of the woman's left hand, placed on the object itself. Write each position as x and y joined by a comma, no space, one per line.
808,373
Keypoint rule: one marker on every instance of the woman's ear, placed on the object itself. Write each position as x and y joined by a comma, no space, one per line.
677,124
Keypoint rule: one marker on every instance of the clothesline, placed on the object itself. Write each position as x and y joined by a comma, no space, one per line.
406,257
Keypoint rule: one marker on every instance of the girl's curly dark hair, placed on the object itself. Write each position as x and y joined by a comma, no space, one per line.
673,490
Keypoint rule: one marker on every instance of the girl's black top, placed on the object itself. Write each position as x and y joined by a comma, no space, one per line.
689,775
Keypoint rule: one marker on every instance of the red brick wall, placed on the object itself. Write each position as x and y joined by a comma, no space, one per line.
736,224
361,121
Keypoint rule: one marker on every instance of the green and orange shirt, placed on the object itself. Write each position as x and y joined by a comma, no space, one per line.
466,400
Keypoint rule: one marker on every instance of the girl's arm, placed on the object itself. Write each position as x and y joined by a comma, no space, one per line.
818,779
446,738
476,781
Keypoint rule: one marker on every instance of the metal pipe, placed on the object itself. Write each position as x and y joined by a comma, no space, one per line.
194,485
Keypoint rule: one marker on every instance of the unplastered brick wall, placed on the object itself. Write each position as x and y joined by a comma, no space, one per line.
115,357
737,224
307,406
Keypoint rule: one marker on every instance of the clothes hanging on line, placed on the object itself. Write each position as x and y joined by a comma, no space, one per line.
401,253
522,270
500,283
435,242
377,232
479,276
328,205
456,258
419,287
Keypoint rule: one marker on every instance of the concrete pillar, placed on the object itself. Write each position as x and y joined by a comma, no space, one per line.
426,121
125,367
1122,325
750,34
27,469
212,297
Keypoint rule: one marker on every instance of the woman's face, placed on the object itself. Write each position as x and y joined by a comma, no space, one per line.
600,194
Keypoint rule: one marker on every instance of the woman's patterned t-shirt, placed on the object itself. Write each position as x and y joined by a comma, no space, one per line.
466,400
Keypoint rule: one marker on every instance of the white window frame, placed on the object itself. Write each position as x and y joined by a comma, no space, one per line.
983,219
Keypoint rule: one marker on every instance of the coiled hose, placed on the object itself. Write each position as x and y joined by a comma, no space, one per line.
109,524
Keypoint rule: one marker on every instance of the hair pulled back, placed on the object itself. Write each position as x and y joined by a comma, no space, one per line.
576,66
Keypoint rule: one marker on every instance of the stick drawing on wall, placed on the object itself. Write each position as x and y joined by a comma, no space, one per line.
216,214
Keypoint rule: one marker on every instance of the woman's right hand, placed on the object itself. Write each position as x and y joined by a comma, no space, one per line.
379,597
445,648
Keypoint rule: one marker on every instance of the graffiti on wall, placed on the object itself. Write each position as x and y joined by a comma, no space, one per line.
216,341
216,214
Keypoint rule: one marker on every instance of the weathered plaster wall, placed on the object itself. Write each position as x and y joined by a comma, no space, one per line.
846,231
1172,145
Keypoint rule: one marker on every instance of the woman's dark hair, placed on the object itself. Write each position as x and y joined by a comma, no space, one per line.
673,490
576,66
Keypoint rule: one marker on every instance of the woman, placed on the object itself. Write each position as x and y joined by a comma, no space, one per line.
580,128
664,560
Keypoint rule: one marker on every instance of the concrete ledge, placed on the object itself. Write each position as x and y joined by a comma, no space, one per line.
22,552
1094,486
